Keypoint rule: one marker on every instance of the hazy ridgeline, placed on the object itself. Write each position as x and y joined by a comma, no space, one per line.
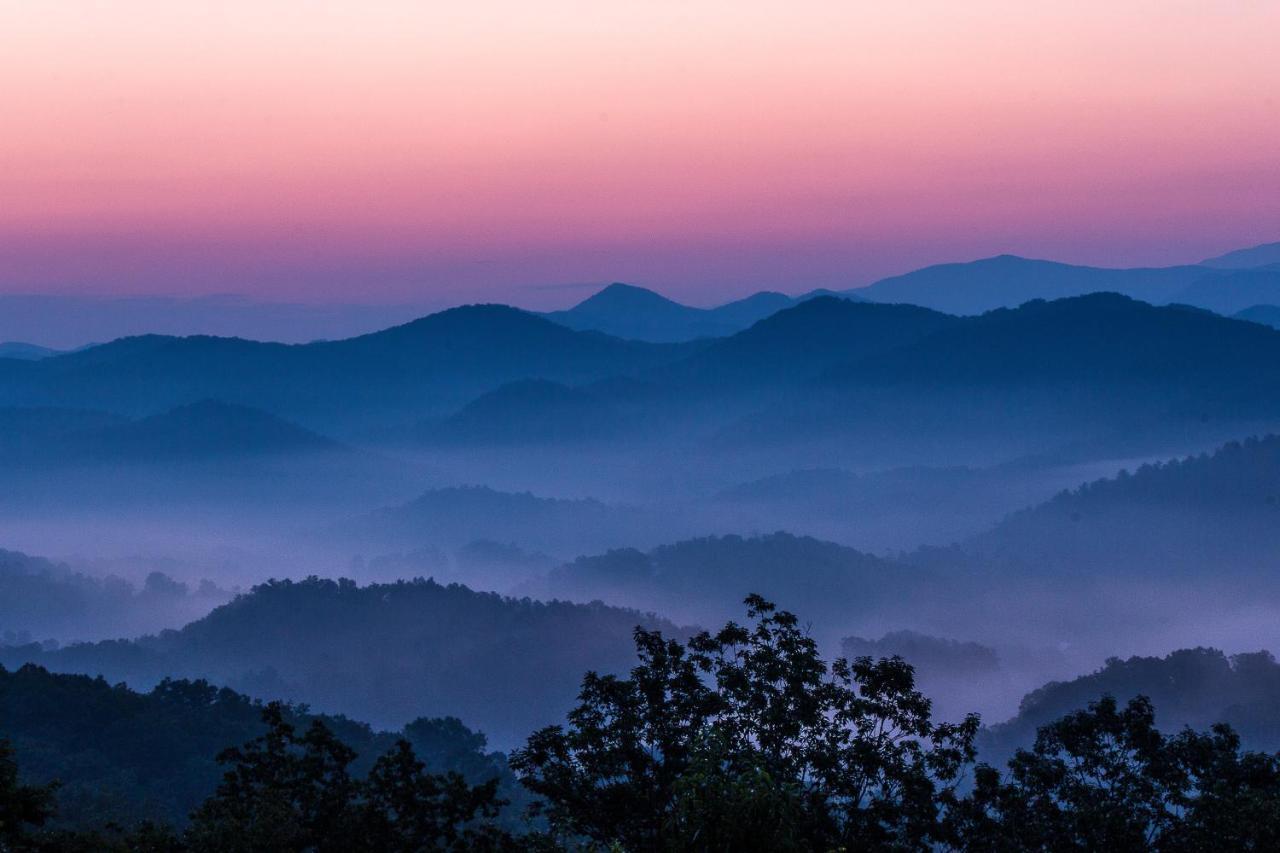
1004,494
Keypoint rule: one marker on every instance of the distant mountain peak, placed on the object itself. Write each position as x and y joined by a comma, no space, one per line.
1254,256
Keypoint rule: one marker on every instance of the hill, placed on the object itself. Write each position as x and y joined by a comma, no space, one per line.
1215,515
1007,281
699,580
1230,292
800,342
1267,315
530,411
1256,256
208,430
386,653
1105,343
454,516
124,756
42,600
1190,687
626,311
429,366
25,352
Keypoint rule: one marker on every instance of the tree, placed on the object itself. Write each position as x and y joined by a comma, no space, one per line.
1105,778
290,792
747,736
23,808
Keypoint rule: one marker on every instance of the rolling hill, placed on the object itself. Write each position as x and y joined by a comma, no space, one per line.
626,311
1007,281
1255,256
429,366
1234,291
703,580
386,653
798,343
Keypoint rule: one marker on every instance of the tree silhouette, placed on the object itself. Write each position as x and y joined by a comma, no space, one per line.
745,738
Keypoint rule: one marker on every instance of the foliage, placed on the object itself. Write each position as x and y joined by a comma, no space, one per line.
745,735
1105,778
290,791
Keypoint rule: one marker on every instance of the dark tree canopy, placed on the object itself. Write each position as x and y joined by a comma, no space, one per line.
746,739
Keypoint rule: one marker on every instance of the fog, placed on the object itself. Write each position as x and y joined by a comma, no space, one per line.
950,509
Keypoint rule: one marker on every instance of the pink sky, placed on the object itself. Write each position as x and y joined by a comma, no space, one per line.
424,152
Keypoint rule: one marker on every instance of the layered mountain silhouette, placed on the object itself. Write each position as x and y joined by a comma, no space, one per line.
798,343
1191,687
1255,256
1007,281
530,411
206,430
627,311
386,653
25,352
702,580
1234,291
1213,513
428,366
1267,315
452,517
1106,342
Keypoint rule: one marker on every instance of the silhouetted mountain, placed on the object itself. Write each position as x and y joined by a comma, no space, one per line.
529,411
25,352
452,517
626,311
207,430
800,342
1106,343
431,365
1190,687
1007,281
1230,292
67,321
1256,256
203,430
699,580
387,653
123,756
1214,513
1267,315
43,600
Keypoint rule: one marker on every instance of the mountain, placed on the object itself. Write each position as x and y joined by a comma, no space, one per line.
452,517
1190,687
386,653
206,430
529,411
1257,256
25,352
635,313
1106,343
702,580
1007,281
800,342
1230,292
1267,315
65,321
1216,514
125,756
42,601
429,366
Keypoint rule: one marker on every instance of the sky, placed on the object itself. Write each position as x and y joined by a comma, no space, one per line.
439,152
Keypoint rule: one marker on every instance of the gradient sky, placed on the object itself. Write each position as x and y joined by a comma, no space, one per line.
441,152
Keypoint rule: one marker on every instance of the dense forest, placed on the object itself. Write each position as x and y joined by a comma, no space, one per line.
385,653
742,738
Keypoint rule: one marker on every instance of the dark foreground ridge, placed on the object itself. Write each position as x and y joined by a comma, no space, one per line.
741,739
